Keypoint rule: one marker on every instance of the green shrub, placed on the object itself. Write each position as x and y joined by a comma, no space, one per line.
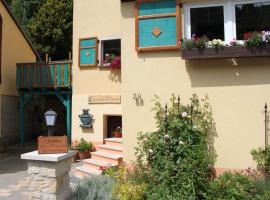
94,188
232,186
179,154
84,145
262,157
130,183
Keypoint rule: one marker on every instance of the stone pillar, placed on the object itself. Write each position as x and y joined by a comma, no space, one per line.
49,175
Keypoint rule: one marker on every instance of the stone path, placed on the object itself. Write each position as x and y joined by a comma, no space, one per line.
14,178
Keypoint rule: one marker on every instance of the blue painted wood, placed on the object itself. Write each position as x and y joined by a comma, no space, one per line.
18,75
88,59
51,74
58,75
88,42
31,76
38,78
68,120
25,78
66,78
44,78
158,7
167,26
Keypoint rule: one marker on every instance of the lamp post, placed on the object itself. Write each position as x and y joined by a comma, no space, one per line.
50,117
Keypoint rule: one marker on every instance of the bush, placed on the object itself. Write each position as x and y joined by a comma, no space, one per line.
262,157
130,183
94,188
232,186
179,154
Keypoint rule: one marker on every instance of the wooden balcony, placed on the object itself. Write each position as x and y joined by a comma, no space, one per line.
44,75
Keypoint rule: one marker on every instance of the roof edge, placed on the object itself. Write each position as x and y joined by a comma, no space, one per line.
20,28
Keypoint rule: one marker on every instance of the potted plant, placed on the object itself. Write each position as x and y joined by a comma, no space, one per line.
84,148
112,61
118,132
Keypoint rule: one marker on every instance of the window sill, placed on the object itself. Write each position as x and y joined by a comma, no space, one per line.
226,52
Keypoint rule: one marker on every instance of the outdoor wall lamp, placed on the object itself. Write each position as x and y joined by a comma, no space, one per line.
50,117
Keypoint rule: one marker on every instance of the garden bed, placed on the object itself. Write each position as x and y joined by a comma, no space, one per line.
225,52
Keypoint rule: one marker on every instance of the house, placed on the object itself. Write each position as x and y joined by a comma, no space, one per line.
14,47
146,35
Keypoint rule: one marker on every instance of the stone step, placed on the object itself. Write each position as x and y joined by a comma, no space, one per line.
113,158
111,147
87,171
114,141
97,164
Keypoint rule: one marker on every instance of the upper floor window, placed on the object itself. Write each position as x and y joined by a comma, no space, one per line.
228,20
207,21
252,17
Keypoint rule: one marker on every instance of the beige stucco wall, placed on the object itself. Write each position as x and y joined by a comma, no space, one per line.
94,19
237,94
15,49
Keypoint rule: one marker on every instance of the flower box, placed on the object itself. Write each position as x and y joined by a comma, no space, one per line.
225,52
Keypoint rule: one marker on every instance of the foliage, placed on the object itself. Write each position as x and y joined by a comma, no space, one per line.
195,42
262,157
25,10
232,186
131,183
179,154
84,145
254,39
216,43
94,188
51,29
112,61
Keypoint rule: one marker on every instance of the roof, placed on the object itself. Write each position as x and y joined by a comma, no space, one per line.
20,29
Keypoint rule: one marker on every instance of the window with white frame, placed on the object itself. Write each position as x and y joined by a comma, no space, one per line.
110,49
226,20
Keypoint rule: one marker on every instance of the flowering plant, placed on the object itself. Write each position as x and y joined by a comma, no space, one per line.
235,43
180,151
216,43
118,129
195,42
255,39
112,61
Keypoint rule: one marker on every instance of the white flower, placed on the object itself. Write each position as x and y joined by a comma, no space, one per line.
150,151
184,114
166,137
194,127
181,142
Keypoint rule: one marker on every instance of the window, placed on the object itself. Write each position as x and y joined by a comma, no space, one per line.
228,20
208,21
110,48
252,17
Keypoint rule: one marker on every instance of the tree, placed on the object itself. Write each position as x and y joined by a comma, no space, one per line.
51,29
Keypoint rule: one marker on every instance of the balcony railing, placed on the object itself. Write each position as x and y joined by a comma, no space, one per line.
44,75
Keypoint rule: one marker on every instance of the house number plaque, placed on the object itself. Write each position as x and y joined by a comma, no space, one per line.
104,99
52,145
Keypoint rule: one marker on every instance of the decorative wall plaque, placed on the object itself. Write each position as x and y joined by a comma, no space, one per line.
52,144
104,99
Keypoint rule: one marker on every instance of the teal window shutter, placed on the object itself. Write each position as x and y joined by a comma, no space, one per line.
157,25
88,52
